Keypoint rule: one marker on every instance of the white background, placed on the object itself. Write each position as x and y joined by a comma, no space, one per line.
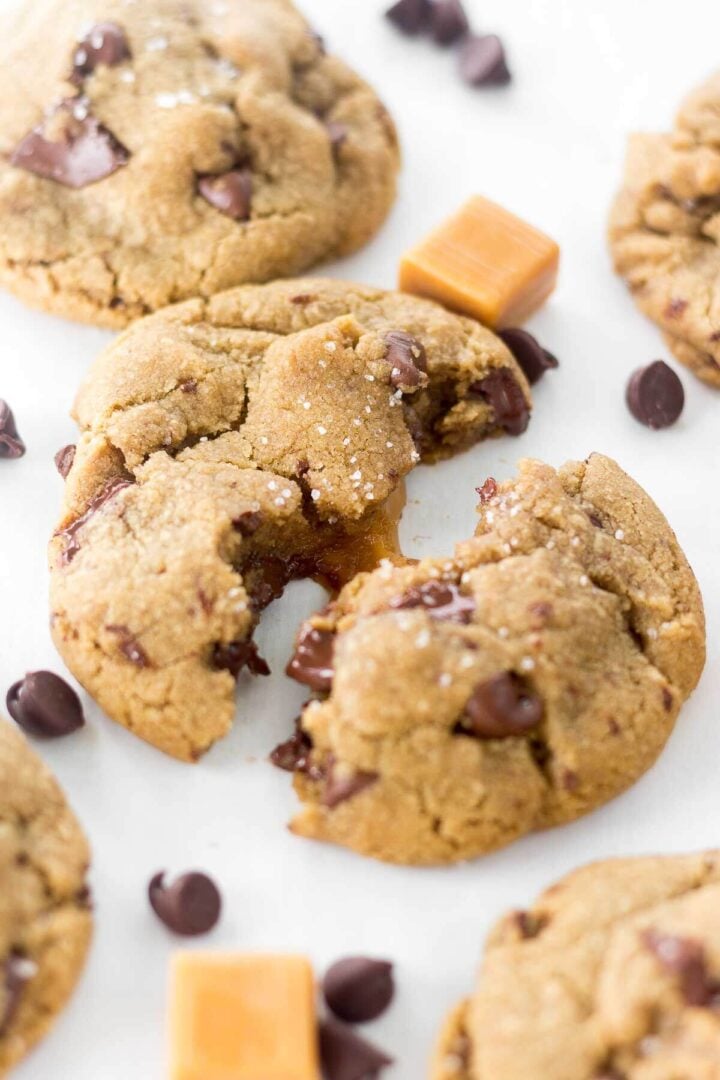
550,148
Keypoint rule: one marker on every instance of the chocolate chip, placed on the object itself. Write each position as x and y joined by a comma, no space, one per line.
43,704
70,147
684,958
482,61
247,523
358,989
112,487
488,491
302,298
337,133
655,395
529,353
312,663
230,193
501,707
529,925
17,972
345,1056
190,906
293,755
189,386
410,16
64,460
448,21
341,786
667,699
442,600
105,44
236,655
503,393
129,646
675,309
11,445
408,360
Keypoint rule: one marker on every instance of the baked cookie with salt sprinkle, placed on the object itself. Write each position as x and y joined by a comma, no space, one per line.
612,974
231,445
462,703
157,150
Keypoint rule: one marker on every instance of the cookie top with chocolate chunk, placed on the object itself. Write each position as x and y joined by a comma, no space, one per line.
232,445
613,974
462,703
45,920
155,151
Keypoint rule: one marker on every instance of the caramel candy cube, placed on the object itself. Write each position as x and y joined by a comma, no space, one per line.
484,262
243,1017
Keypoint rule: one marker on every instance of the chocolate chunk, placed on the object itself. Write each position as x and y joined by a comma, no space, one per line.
685,959
312,663
11,445
43,704
501,707
233,656
189,386
529,353
112,487
448,21
247,524
655,395
502,392
488,491
105,44
442,600
190,906
17,972
265,578
337,133
70,147
64,460
482,61
358,989
293,755
345,1056
343,786
529,925
230,193
129,646
410,16
408,360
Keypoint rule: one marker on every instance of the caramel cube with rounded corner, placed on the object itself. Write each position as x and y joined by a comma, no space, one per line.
243,1017
484,262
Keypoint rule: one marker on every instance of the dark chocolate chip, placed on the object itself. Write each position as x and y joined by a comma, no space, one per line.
189,386
345,1056
358,989
112,487
17,972
248,523
70,147
11,445
655,395
685,959
482,61
190,906
529,925
337,133
675,308
529,353
236,655
502,707
503,393
64,460
410,16
442,600
43,704
129,646
408,360
488,491
343,786
302,298
104,43
312,663
448,21
667,699
230,193
293,755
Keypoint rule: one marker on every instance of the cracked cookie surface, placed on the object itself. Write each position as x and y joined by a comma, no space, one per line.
232,445
613,974
665,228
161,150
45,920
518,685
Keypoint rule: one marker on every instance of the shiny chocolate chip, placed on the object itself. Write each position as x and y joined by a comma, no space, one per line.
190,906
43,704
442,600
346,1056
70,147
504,395
129,646
233,656
11,445
482,61
358,989
230,193
72,531
529,353
655,395
410,16
64,460
408,360
17,971
501,707
341,786
105,43
685,959
293,755
312,663
448,21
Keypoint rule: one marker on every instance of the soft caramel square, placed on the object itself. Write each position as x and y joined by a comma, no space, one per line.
243,1017
484,262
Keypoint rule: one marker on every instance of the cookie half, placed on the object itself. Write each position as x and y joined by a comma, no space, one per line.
612,974
232,445
462,703
172,148
45,920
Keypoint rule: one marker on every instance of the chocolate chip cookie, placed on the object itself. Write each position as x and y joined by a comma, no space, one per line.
234,444
160,150
613,974
45,920
665,227
461,703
